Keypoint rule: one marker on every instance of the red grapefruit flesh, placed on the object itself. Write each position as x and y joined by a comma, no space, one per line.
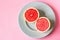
42,24
31,14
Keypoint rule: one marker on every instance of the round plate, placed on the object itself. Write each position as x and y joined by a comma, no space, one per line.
29,28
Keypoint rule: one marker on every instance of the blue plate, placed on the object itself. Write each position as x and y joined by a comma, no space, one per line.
29,28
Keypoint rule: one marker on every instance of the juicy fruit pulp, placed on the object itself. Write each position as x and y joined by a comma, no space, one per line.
42,24
31,15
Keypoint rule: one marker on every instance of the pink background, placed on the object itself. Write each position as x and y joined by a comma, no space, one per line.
9,28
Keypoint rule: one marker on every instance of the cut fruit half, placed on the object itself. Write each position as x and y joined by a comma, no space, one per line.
43,24
31,14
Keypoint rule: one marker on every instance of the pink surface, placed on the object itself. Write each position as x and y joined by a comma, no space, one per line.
9,28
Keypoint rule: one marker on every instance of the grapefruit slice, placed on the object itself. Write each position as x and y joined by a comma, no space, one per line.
43,24
31,14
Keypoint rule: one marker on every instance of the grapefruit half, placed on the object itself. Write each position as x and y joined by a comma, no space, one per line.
31,14
43,24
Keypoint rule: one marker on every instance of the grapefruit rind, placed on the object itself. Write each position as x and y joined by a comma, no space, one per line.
28,9
47,28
